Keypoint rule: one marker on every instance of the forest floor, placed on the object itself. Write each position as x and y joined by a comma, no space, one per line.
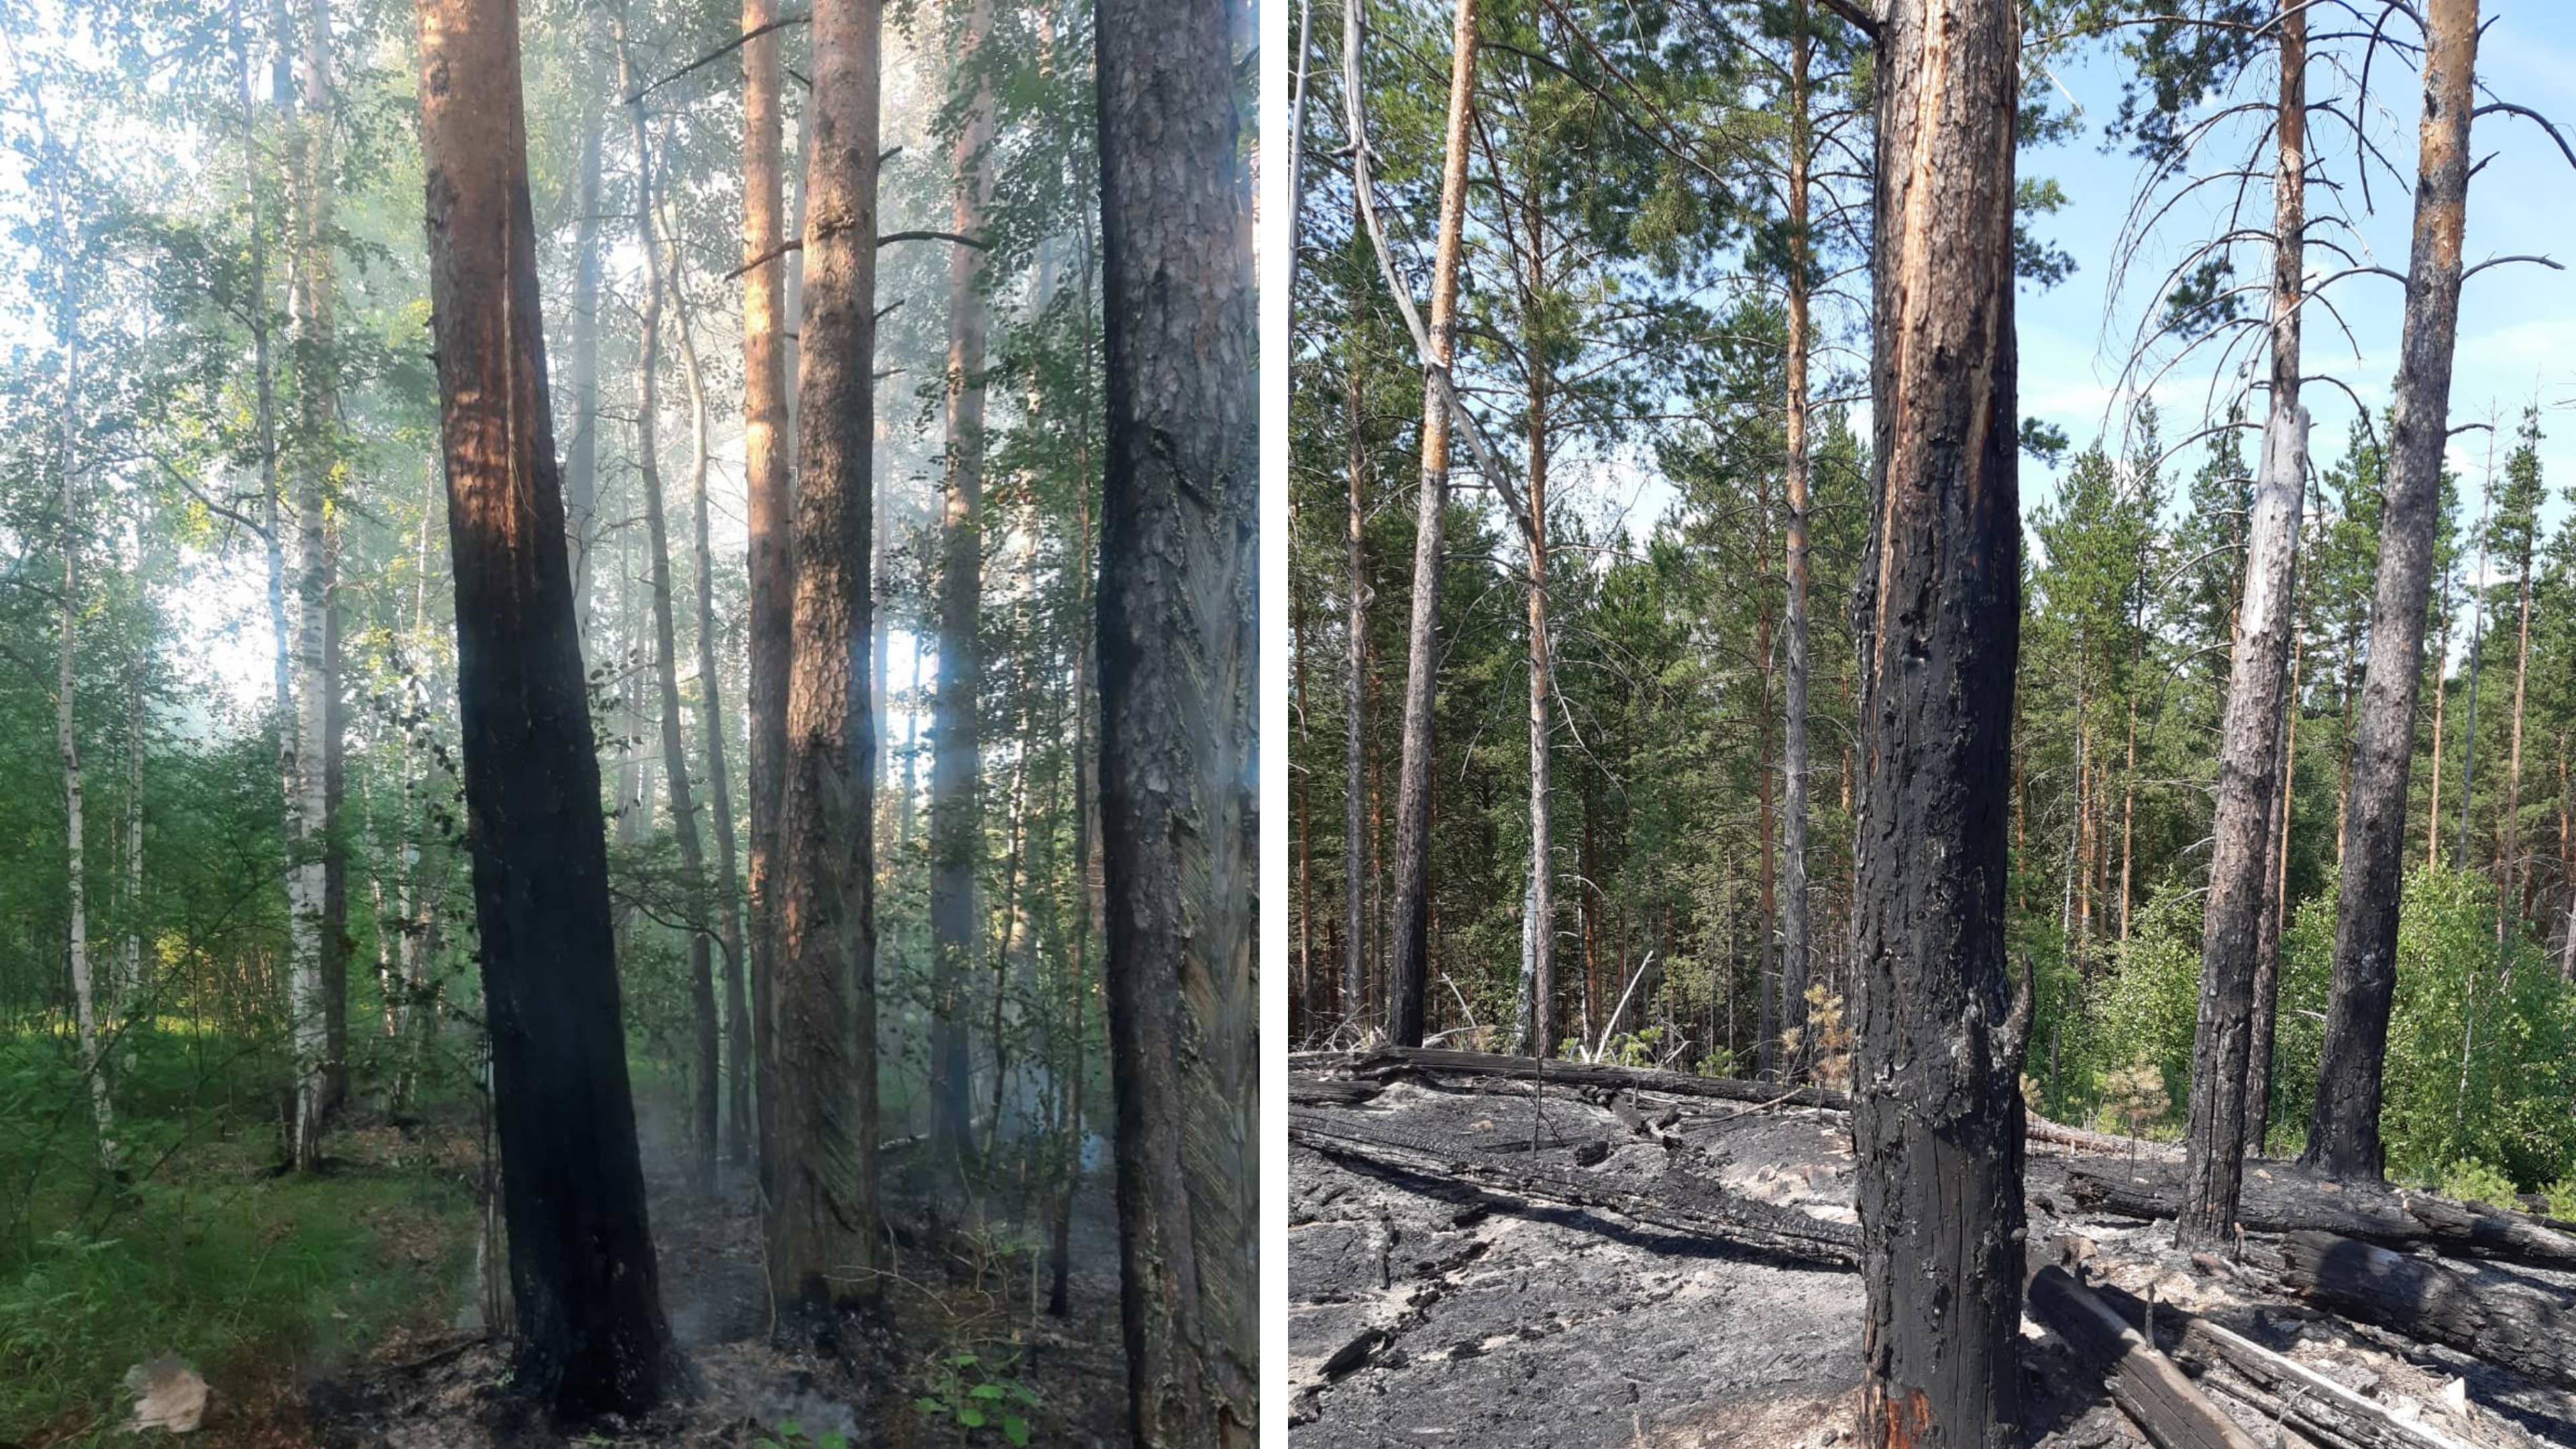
343,1309
1440,1306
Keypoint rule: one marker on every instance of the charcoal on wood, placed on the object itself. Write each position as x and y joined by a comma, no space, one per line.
2282,1198
2506,1320
2148,1387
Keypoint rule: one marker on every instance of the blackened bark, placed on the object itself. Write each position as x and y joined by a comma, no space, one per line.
581,375
582,1273
1178,667
956,766
2343,1129
1408,964
822,1211
1937,1111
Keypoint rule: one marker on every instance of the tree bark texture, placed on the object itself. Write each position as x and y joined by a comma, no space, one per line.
822,1211
1408,963
582,1272
1178,670
1355,601
2343,1129
767,448
2249,778
1937,1110
1794,942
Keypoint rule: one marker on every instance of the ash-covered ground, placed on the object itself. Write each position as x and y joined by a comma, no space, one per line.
1430,1306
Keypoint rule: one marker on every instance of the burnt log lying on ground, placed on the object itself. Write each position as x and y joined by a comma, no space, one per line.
1680,1202
2155,1393
2286,1391
1380,1063
2281,1197
2504,1319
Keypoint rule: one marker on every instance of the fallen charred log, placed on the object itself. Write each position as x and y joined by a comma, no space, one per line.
2149,1387
1680,1203
1380,1063
2504,1319
2288,1391
2280,1198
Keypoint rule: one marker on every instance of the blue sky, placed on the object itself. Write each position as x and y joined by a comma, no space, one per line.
2517,323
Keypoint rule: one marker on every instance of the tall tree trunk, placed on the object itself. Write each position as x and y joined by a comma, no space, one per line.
1179,666
822,1237
312,958
127,996
2249,760
67,463
1938,1123
1355,601
1767,1063
767,448
711,724
1794,946
581,374
1538,1029
2276,906
2510,869
2343,1132
956,772
1409,961
1089,882
264,375
583,1279
666,664
2441,667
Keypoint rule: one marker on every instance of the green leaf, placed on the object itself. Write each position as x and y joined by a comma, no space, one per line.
970,1416
927,1406
833,1440
1015,1429
963,1360
985,1391
1025,1394
790,1429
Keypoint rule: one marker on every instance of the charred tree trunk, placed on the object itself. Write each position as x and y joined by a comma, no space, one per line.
2343,1132
766,451
1408,964
1178,667
2249,760
822,1209
2276,905
1937,1119
956,768
582,1273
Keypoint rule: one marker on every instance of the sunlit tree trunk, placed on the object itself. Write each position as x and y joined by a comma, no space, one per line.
823,1210
583,1279
128,997
1937,1111
956,771
1410,950
2343,1131
316,417
1178,670
67,465
767,448
2249,761
1794,943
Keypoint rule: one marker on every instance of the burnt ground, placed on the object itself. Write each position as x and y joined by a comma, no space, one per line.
958,1281
1426,1309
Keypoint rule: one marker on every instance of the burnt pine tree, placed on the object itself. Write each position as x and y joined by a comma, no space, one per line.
1936,1110
822,1205
583,1281
1179,525
1409,965
2343,1127
2250,741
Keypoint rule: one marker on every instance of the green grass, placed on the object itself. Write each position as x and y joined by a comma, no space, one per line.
214,1257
